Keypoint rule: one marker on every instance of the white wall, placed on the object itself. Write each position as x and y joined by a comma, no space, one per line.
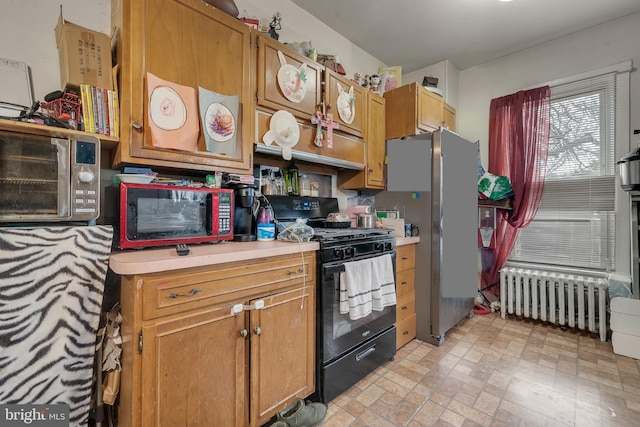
448,80
298,25
598,47
27,34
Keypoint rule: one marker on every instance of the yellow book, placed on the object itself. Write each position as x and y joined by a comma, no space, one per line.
87,118
116,114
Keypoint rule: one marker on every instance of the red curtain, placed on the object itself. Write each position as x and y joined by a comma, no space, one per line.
518,144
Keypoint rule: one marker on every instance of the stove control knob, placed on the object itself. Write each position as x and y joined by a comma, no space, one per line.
388,246
379,247
339,253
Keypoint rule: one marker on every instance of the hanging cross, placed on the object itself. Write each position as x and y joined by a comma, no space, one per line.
328,123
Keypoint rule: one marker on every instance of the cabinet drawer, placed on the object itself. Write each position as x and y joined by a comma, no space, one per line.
405,257
406,306
405,331
170,293
405,282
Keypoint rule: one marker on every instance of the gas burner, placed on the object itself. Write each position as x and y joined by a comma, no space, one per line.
332,234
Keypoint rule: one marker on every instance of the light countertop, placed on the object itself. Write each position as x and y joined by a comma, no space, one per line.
164,259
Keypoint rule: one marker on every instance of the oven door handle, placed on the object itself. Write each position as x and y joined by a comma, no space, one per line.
365,353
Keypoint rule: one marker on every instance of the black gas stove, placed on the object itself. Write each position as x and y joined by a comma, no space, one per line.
347,350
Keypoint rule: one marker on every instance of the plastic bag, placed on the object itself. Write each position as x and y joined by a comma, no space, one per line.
494,187
299,231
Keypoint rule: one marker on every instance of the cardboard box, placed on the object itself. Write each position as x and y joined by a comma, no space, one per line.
85,56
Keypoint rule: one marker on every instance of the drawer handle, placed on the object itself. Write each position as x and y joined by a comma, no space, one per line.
404,307
405,333
185,294
404,258
403,283
289,273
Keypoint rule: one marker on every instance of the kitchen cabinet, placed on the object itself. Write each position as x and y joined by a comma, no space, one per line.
413,109
348,148
373,175
448,117
190,43
269,95
347,100
405,294
230,344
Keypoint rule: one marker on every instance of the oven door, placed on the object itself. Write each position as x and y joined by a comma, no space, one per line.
34,178
338,332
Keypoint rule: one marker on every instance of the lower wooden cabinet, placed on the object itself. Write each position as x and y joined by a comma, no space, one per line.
405,294
228,344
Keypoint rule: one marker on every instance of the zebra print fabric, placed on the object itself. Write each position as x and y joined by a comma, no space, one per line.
51,289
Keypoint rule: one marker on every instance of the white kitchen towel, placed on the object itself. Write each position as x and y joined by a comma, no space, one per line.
367,285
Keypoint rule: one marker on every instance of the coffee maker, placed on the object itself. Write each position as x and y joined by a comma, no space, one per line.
244,216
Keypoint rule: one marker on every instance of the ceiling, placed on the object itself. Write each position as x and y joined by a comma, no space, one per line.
418,33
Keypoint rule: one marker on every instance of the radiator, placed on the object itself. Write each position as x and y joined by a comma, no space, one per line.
562,299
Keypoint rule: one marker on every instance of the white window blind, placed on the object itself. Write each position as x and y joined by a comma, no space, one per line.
575,224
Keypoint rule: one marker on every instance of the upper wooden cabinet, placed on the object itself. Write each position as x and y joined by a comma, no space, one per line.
190,43
286,79
373,175
449,117
348,102
412,109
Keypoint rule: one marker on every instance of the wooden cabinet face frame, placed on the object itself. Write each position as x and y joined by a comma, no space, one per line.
269,93
189,43
332,92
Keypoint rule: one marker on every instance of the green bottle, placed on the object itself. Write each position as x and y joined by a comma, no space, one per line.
291,179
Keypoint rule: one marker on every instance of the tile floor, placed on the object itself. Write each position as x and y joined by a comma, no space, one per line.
497,372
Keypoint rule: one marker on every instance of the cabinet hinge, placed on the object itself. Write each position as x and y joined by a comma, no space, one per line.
140,342
256,94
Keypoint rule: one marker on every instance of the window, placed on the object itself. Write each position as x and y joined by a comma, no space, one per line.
575,223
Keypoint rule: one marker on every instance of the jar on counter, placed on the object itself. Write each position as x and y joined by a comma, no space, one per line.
305,185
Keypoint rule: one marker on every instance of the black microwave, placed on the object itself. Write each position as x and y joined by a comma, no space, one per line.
145,215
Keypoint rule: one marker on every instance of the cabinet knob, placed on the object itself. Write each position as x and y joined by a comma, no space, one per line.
257,330
137,126
244,333
370,170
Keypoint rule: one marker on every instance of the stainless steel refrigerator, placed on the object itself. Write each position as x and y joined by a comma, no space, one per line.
432,181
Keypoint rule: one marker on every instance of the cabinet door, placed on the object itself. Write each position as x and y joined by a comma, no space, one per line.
429,110
193,371
282,351
348,103
375,141
270,93
449,117
190,43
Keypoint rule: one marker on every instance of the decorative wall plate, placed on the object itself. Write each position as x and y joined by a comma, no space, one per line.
220,124
291,80
219,120
346,104
173,114
167,109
